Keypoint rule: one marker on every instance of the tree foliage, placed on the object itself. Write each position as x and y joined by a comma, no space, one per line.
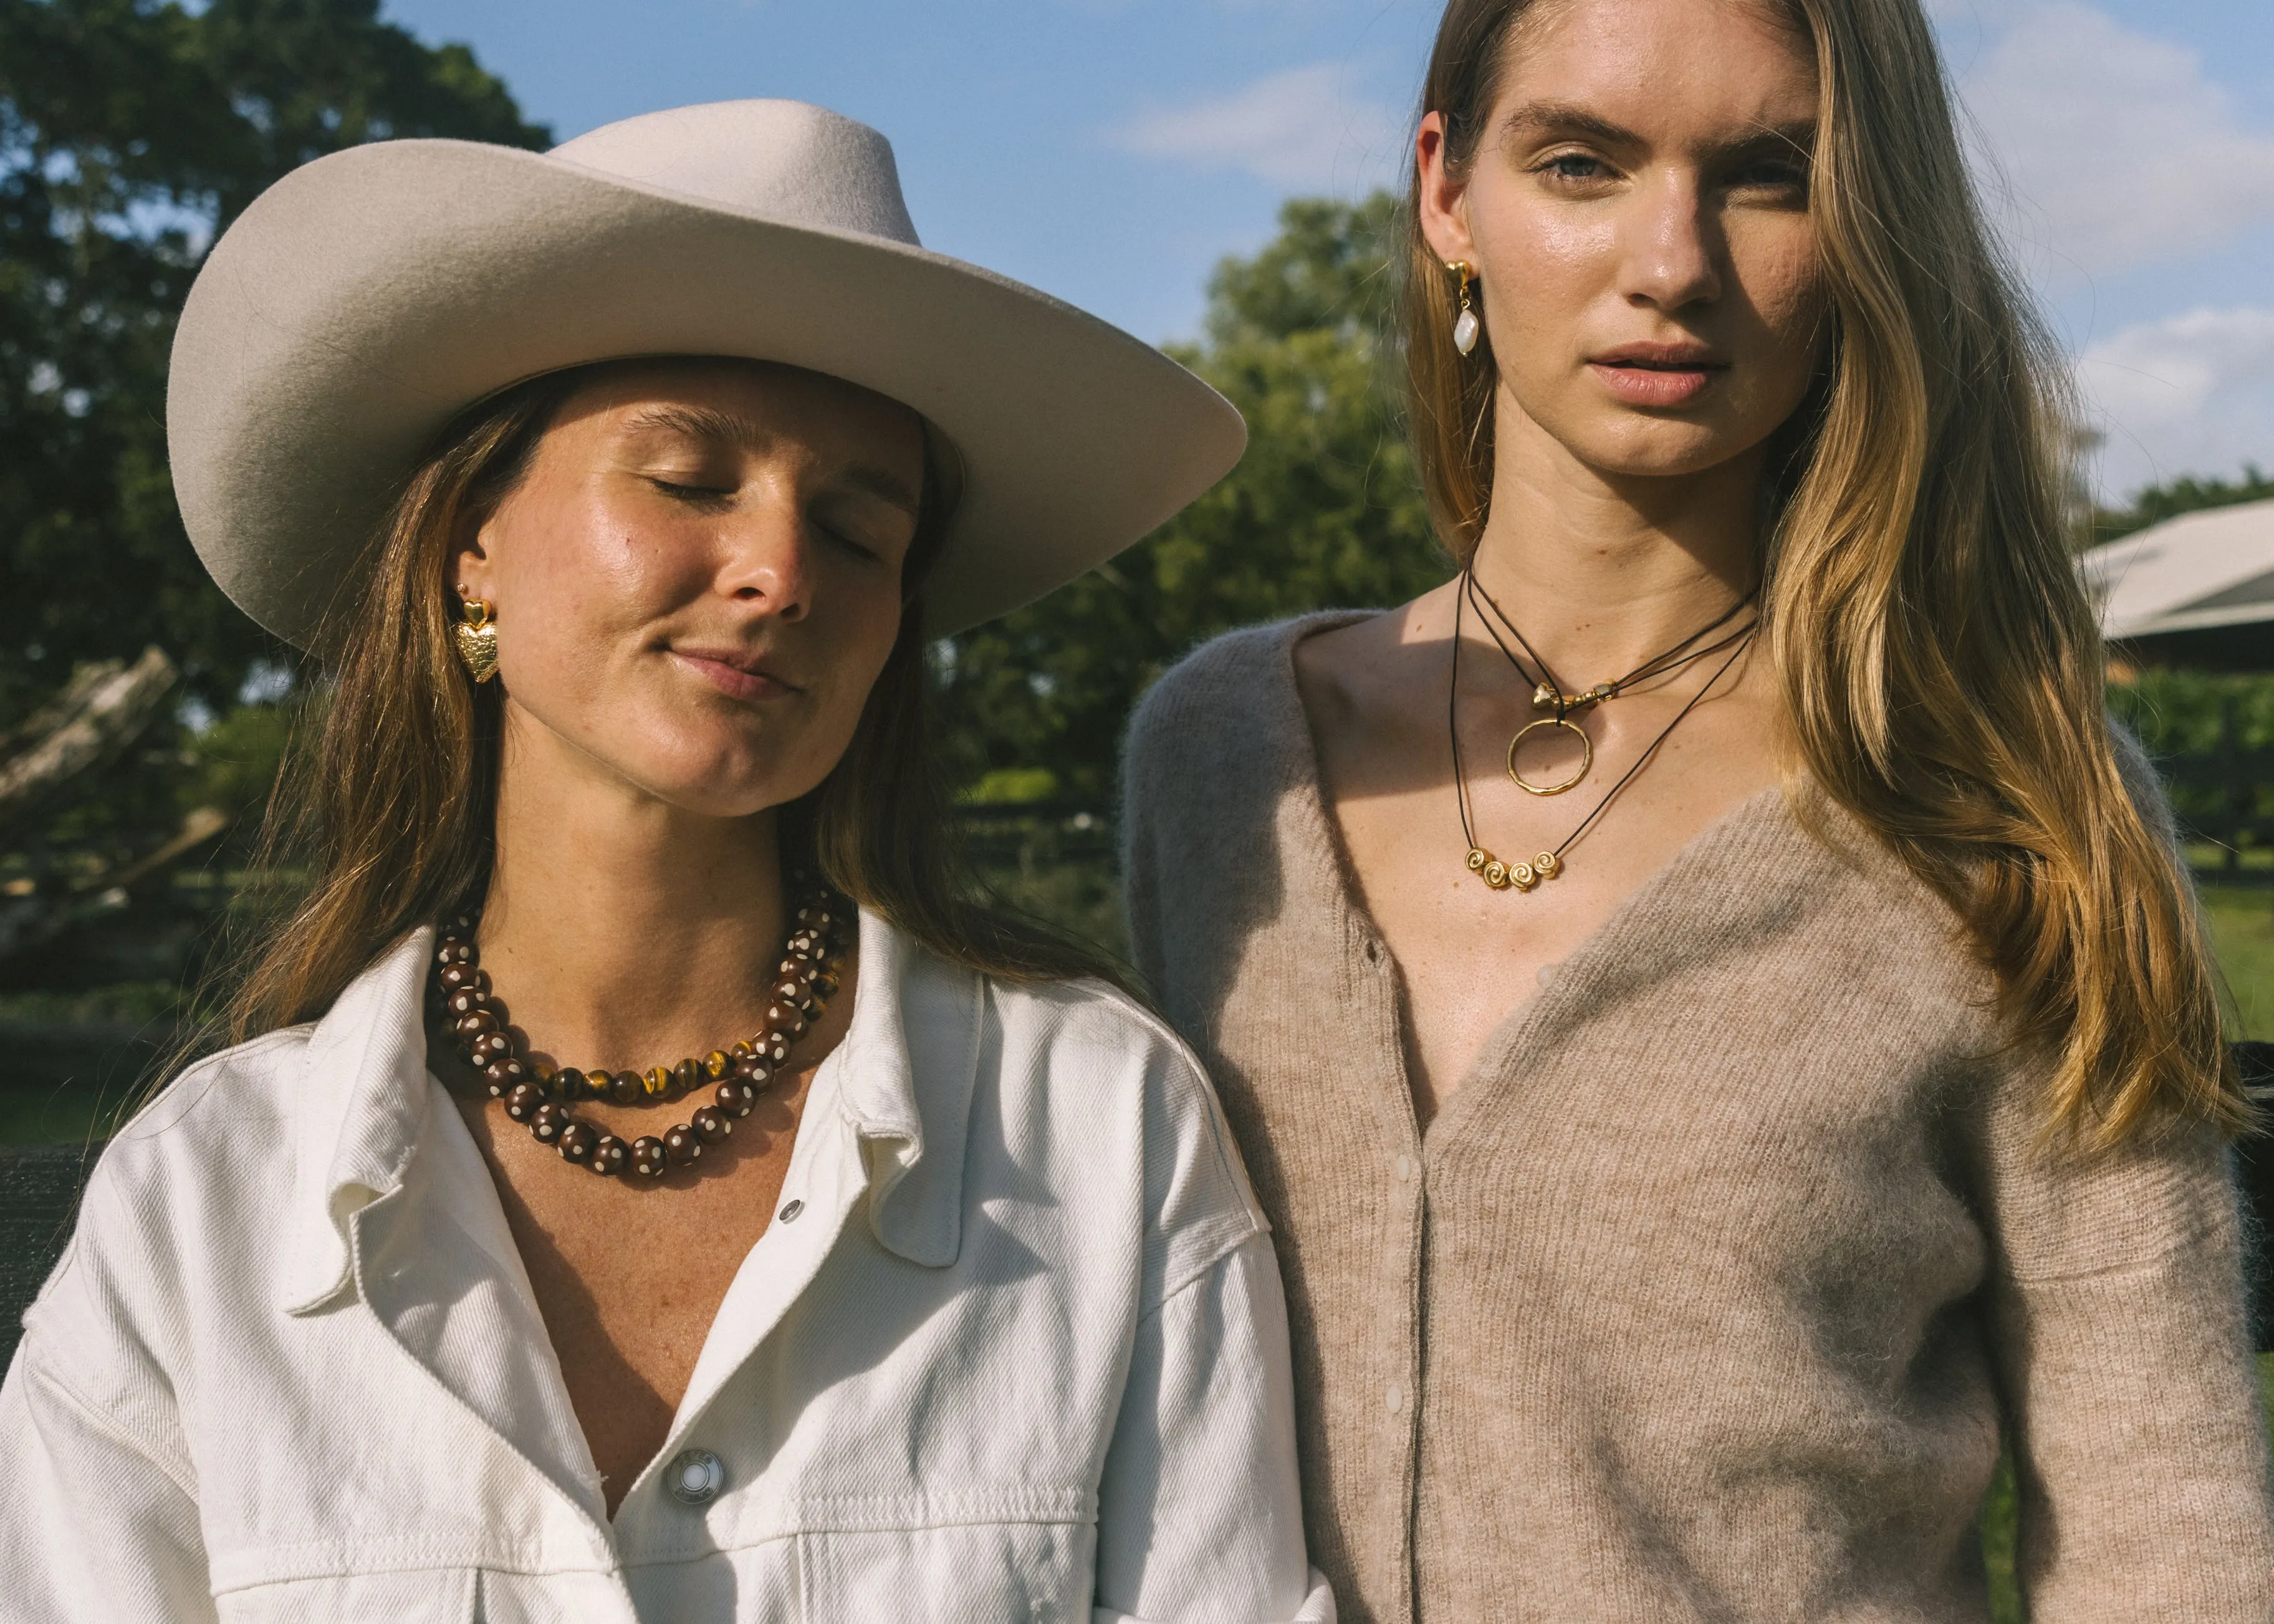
1322,512
130,134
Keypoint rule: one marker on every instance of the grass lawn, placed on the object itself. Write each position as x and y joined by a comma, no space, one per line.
2242,932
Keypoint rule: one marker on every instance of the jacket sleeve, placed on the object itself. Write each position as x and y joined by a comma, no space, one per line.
2117,1321
95,1525
1200,1518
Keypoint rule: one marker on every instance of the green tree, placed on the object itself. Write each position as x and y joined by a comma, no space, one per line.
1324,512
131,132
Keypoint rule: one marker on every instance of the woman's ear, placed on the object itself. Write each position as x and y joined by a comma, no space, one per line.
1443,196
469,571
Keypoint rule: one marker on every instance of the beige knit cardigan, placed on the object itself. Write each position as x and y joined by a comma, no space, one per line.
1712,1293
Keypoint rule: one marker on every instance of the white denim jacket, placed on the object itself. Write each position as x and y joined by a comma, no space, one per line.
1014,1349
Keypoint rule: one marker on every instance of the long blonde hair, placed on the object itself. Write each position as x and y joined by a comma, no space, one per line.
1940,662
390,805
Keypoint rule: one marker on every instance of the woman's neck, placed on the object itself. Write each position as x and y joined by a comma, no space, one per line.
1601,572
621,931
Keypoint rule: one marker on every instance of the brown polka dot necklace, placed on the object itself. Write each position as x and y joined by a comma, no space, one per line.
538,1095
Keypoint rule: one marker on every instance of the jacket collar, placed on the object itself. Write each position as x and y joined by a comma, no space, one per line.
906,1072
362,1104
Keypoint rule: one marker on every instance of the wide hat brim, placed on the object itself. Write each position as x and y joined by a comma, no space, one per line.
367,299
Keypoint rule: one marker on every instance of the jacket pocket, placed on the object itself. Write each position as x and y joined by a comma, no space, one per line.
420,1595
981,1573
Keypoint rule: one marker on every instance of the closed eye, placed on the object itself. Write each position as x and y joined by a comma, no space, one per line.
707,495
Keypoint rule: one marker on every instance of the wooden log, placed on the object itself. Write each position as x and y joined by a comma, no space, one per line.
99,713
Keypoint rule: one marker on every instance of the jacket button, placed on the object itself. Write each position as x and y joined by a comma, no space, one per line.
789,1215
695,1476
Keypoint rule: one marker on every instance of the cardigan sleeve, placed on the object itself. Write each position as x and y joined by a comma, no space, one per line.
2117,1317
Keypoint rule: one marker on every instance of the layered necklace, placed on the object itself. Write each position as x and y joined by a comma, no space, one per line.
1548,694
538,1095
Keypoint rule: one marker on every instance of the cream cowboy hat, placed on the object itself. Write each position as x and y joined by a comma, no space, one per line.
365,299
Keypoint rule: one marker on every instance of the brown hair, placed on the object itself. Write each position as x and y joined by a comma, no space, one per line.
1940,662
390,805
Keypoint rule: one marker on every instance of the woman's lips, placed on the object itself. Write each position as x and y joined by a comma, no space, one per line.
1657,383
731,680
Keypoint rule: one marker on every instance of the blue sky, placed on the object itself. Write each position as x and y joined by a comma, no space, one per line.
1111,151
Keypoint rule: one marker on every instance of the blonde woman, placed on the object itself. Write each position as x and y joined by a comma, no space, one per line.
647,1189
1714,1016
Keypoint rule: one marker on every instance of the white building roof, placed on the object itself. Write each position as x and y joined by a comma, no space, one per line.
2212,568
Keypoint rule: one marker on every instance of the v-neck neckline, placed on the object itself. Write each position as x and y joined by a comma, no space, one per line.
1562,990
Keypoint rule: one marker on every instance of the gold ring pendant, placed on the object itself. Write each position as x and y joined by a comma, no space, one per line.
1586,758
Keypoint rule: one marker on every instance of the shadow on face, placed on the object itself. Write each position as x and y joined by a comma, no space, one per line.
698,579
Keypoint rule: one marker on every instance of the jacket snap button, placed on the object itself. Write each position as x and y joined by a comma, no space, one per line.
789,1215
695,1477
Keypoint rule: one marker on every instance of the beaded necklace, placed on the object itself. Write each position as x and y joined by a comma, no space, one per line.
538,1095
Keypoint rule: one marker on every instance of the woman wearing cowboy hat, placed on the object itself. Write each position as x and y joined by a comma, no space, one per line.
644,1188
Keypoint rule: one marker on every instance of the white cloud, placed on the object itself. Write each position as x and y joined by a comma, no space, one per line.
1303,128
2188,394
2118,150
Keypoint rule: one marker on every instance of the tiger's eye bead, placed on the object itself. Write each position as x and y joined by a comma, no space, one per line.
610,1155
649,1156
470,1026
626,1088
711,1124
716,1063
489,1046
827,984
741,1048
522,1103
570,1083
680,1141
686,1075
579,1141
502,1077
735,1097
547,1121
657,1082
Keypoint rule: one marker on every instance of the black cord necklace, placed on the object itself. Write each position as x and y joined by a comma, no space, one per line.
1547,865
1547,689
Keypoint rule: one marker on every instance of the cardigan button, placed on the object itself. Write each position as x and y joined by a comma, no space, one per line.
695,1477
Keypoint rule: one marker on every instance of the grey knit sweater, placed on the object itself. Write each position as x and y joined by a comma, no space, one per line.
1713,1292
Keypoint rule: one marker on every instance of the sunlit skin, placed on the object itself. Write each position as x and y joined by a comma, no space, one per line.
1637,215
696,587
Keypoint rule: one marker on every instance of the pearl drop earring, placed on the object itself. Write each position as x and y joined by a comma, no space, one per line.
1464,324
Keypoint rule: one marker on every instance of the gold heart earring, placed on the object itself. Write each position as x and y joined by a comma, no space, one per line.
1464,325
477,638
